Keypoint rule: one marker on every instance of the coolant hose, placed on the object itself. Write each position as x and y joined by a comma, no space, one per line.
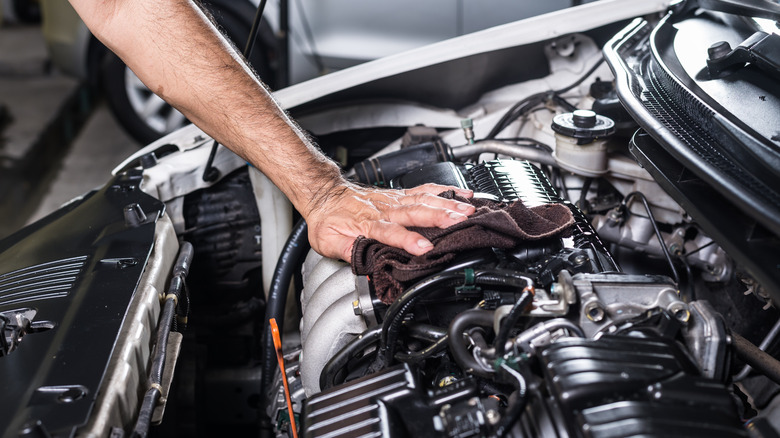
759,360
458,326
294,250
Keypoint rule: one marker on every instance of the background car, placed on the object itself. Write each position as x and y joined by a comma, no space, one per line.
317,38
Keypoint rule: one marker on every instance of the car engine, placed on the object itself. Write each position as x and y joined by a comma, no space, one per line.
653,313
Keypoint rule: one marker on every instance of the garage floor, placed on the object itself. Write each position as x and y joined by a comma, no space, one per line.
57,140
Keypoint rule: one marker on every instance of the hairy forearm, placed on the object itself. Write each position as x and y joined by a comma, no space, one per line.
178,54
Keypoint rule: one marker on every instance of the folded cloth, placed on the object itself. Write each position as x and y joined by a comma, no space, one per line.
493,225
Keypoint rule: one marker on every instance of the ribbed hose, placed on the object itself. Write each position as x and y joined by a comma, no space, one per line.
293,252
759,360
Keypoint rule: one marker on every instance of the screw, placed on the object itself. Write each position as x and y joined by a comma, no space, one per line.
594,312
356,307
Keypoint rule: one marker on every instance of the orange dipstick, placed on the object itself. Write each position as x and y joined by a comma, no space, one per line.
280,358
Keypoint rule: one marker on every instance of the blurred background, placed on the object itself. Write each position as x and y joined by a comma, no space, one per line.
57,138
70,111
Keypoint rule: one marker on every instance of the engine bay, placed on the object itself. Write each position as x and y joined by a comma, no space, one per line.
651,313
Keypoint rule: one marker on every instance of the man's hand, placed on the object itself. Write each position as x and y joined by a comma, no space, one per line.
349,211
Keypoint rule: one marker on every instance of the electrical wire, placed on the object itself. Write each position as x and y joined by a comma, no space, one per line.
525,105
517,401
511,319
660,238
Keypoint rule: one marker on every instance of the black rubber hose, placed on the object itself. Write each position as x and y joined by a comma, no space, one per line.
161,349
144,421
398,310
293,252
581,78
759,360
180,270
339,360
395,314
458,326
517,402
426,353
517,110
425,332
511,319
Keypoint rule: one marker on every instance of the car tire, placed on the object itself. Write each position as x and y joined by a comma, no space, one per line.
145,116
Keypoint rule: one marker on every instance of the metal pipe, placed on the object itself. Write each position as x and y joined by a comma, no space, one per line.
759,360
773,332
499,147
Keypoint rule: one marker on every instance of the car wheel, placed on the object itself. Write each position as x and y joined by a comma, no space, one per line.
144,115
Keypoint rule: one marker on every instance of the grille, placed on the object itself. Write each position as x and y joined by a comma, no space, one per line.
53,279
673,106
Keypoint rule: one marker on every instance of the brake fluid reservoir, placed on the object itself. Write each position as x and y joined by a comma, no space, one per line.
580,142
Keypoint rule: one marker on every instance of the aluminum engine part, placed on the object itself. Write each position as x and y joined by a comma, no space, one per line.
607,299
331,315
706,337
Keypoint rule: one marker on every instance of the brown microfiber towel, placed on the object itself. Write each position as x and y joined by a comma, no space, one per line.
493,225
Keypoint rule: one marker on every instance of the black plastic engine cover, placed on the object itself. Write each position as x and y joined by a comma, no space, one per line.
629,386
393,403
78,269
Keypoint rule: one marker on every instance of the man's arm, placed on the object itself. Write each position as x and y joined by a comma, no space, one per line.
176,51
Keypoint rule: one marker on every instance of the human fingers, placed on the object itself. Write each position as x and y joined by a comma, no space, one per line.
423,215
395,235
